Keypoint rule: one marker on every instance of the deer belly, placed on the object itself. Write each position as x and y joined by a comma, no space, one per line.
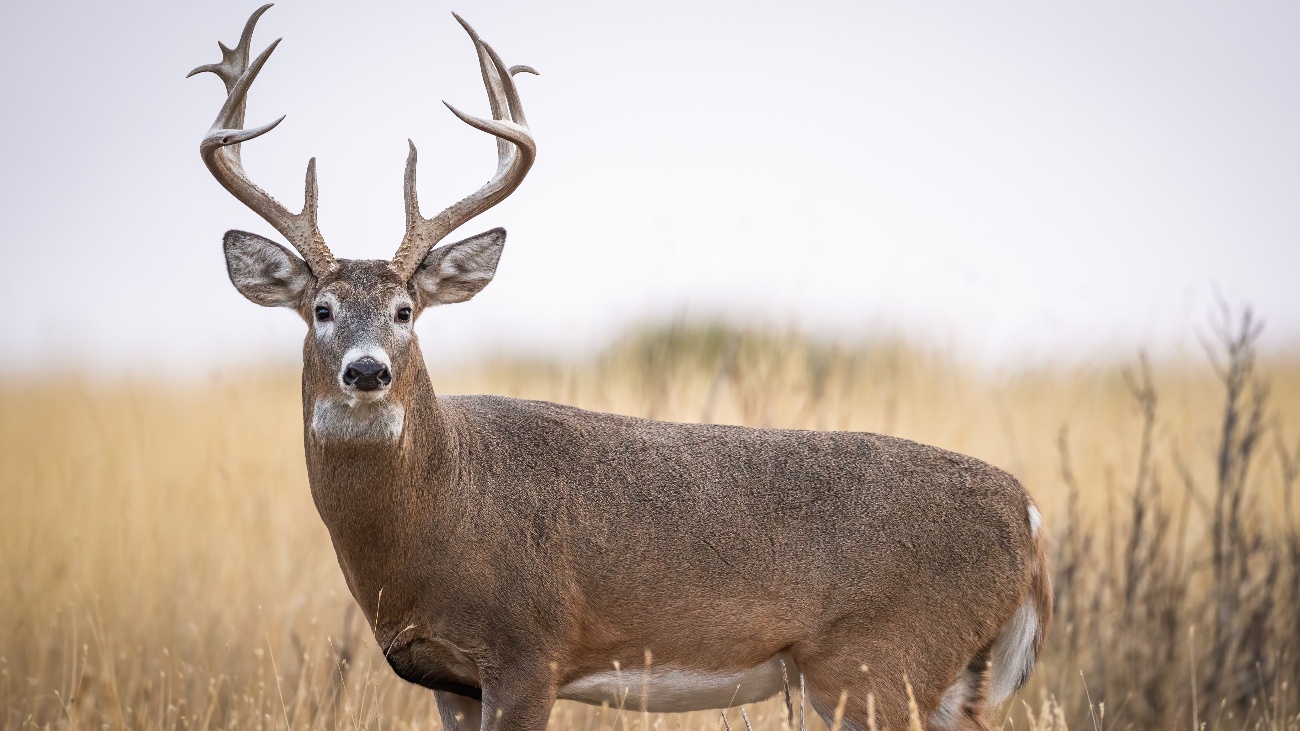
670,690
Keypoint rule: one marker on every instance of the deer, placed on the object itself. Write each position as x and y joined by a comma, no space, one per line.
510,553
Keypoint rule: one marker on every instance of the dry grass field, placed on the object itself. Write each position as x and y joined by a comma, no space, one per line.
162,565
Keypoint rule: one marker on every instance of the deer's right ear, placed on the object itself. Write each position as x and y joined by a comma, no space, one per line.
264,271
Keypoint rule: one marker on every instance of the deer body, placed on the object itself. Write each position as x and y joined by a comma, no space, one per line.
510,553
594,537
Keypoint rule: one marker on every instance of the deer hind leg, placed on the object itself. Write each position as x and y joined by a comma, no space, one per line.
862,700
961,707
870,673
865,708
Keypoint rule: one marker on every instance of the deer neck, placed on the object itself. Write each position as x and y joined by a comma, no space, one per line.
378,496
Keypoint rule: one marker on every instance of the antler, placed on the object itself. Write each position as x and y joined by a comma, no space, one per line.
515,154
220,151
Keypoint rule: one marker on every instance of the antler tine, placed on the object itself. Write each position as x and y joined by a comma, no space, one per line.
491,79
516,152
234,61
220,152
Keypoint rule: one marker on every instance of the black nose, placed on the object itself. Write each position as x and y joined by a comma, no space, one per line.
367,374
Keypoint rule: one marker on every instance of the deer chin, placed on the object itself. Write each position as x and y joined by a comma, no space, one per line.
356,398
344,418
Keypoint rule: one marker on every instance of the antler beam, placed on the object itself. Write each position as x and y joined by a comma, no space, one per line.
220,151
516,152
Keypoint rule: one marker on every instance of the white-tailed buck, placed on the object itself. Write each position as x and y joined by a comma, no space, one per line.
509,553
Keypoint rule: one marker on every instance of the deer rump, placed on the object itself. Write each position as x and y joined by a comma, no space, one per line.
729,552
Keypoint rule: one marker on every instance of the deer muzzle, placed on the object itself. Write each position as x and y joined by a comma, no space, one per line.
367,374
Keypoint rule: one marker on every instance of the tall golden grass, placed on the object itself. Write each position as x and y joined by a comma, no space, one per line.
162,565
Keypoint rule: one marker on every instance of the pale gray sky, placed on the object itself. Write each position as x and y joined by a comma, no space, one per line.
1013,179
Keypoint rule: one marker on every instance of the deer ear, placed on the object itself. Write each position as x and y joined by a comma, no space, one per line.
264,271
456,272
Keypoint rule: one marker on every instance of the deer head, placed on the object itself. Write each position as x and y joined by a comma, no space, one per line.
361,354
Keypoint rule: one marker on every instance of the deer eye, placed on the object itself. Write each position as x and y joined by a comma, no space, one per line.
404,314
323,314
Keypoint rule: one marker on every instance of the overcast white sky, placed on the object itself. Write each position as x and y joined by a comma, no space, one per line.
1011,179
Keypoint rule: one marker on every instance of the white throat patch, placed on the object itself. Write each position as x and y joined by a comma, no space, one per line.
337,419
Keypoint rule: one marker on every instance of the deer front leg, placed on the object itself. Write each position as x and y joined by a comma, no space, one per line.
519,701
458,712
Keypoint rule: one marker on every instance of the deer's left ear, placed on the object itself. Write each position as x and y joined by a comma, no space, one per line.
456,272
